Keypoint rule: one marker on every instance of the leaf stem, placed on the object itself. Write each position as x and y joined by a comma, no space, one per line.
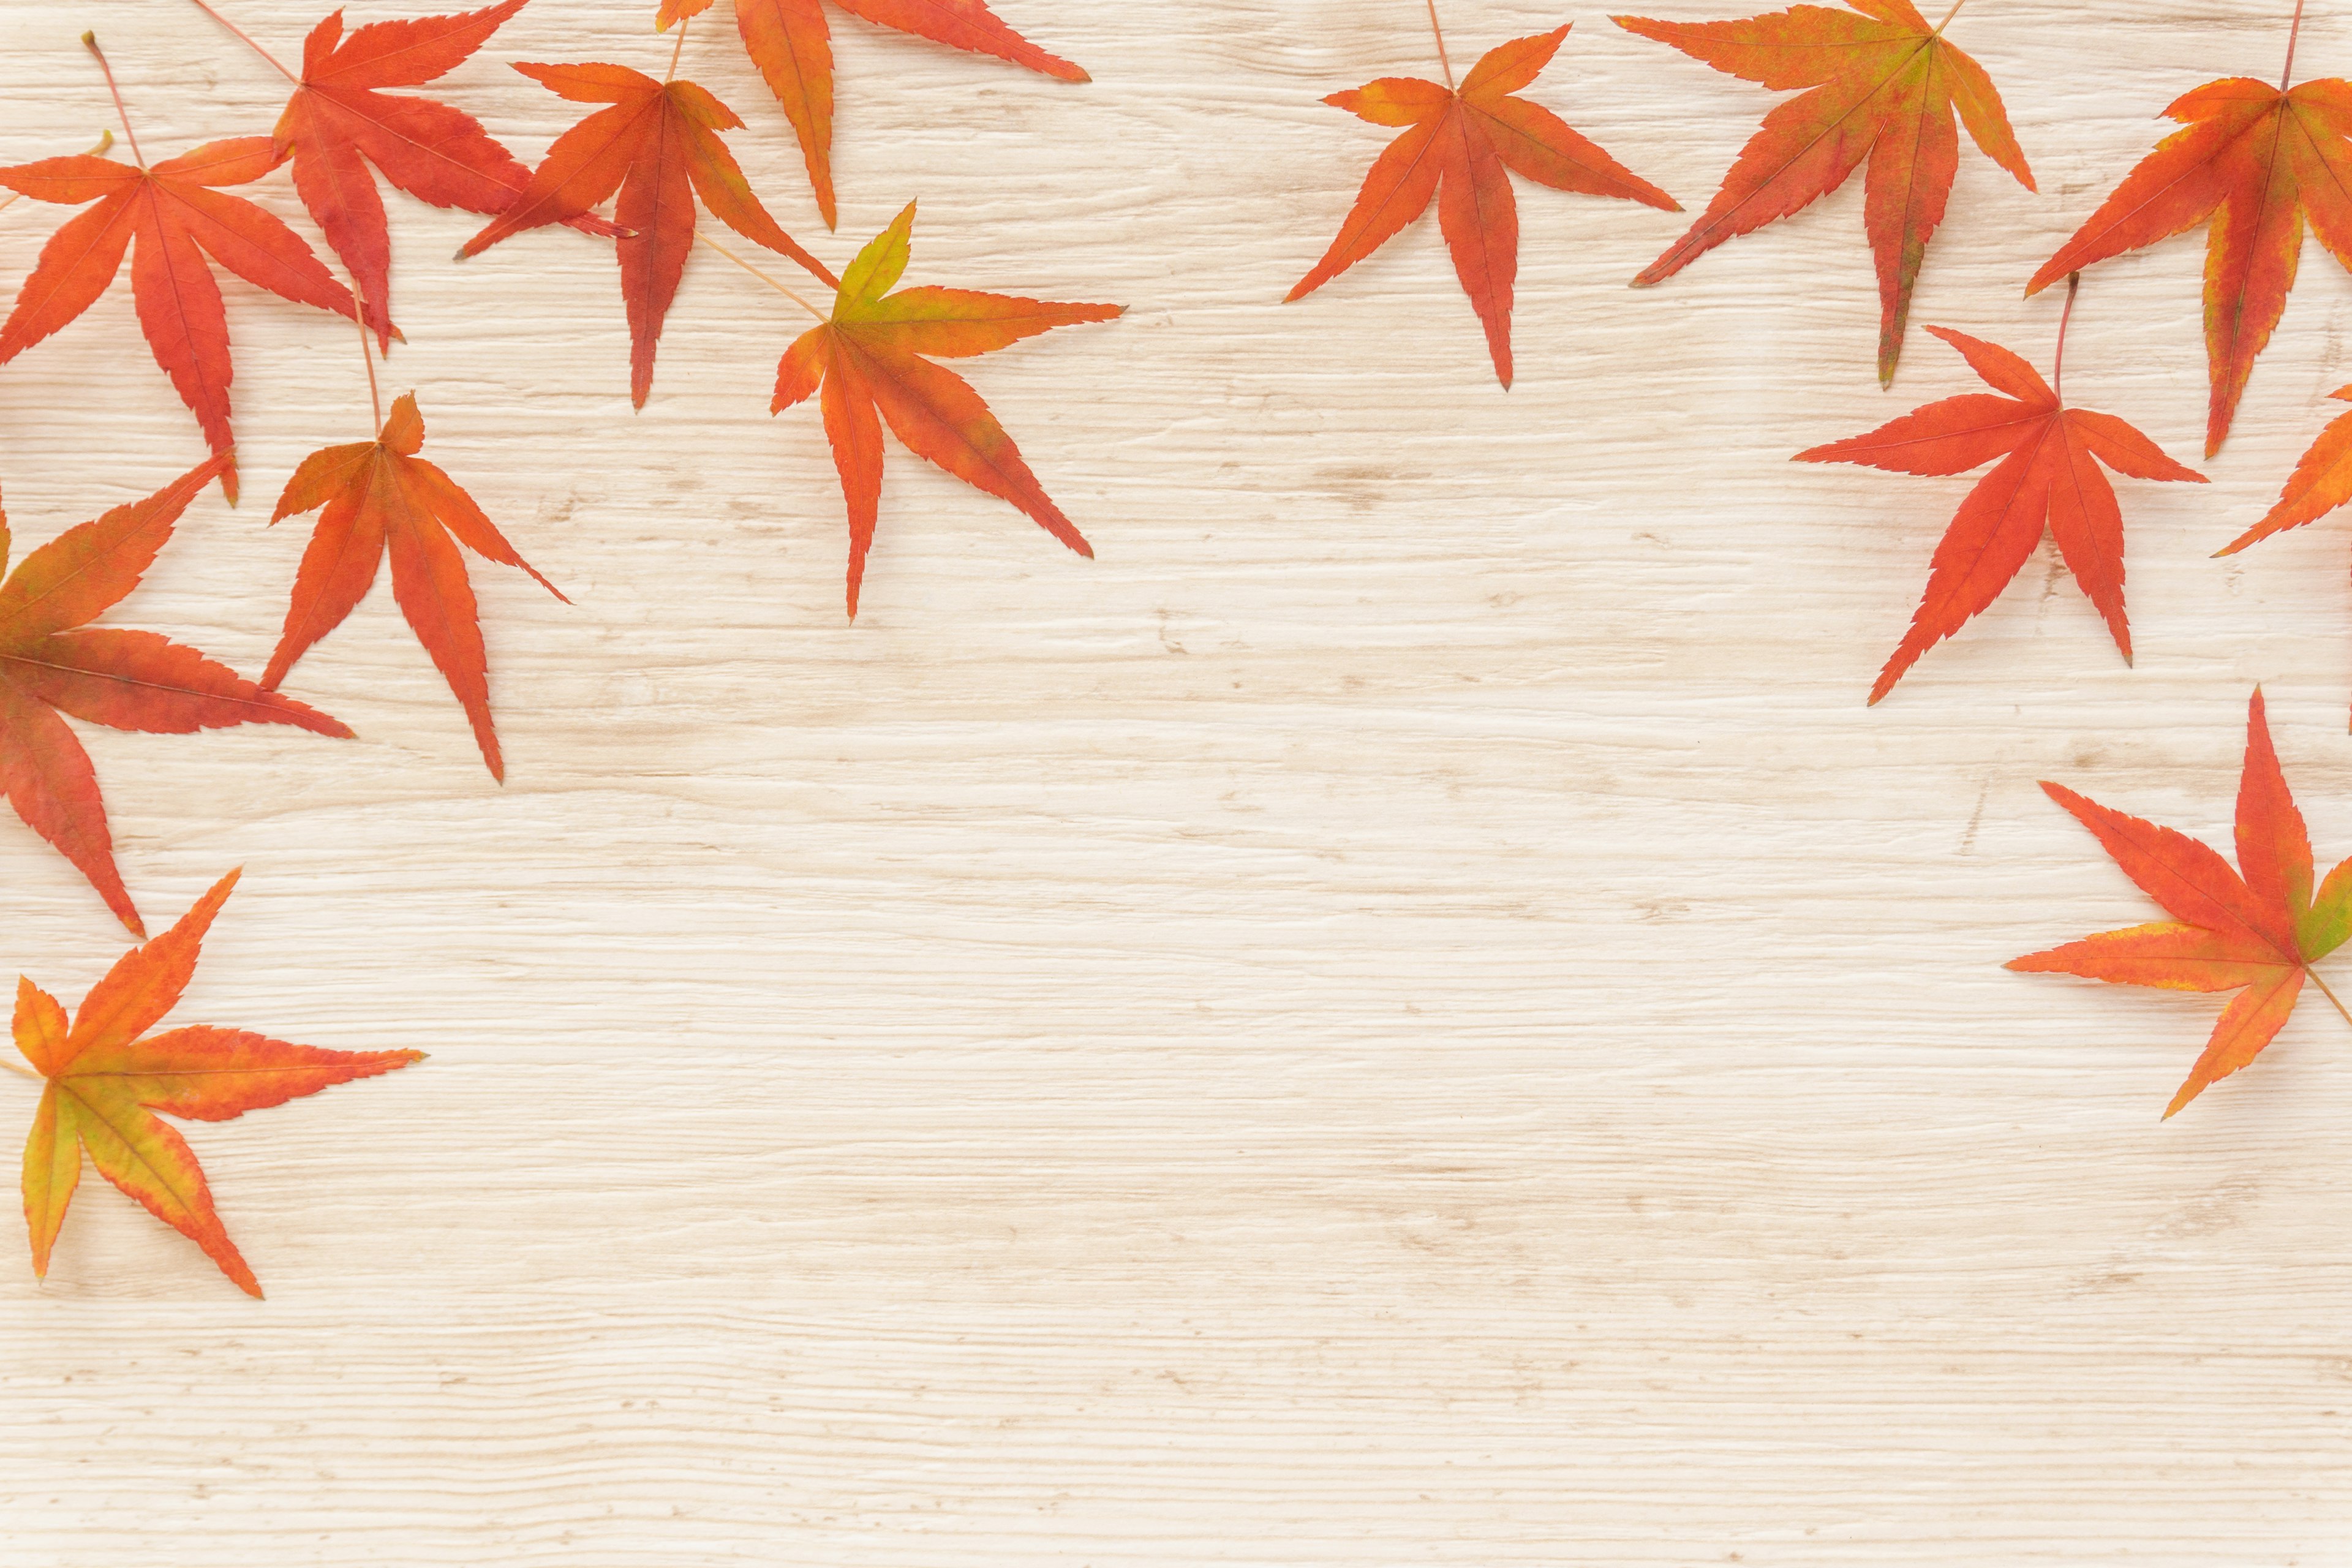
89,42
676,50
2294,31
1444,64
2324,991
367,353
17,1066
241,32
105,139
2058,363
1948,17
763,277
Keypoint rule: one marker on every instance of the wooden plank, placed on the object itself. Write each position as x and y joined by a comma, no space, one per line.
1405,1014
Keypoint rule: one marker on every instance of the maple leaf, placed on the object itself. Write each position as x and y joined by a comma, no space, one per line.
2046,478
104,1083
788,40
52,662
1882,85
1457,147
169,218
2321,482
2256,931
2258,160
337,124
868,360
658,146
380,495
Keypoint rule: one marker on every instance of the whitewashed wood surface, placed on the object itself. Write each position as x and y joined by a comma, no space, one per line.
1406,1014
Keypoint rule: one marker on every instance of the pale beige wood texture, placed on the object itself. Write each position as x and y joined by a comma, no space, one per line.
1407,1013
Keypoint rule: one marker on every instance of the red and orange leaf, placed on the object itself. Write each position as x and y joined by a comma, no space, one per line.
658,147
51,662
339,122
2273,843
865,363
2047,479
2163,954
169,218
1881,84
2257,162
2188,880
793,47
2257,930
1456,148
106,1078
2321,482
381,497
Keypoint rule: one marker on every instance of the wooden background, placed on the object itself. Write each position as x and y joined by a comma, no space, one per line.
1407,1013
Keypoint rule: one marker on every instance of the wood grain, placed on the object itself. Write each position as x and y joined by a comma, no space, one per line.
1407,1013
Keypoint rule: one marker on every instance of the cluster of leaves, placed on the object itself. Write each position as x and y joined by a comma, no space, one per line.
1876,85
653,151
1882,90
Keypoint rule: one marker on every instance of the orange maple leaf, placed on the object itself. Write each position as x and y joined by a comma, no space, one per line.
176,217
380,496
2321,482
1881,84
2258,159
51,662
2046,478
106,1078
1457,145
868,360
788,40
338,122
658,146
2256,931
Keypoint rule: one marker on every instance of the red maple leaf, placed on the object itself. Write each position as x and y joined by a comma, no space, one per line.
338,123
1457,145
658,146
2258,160
169,218
1880,84
788,40
866,359
2256,931
2046,478
50,659
381,497
105,1078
